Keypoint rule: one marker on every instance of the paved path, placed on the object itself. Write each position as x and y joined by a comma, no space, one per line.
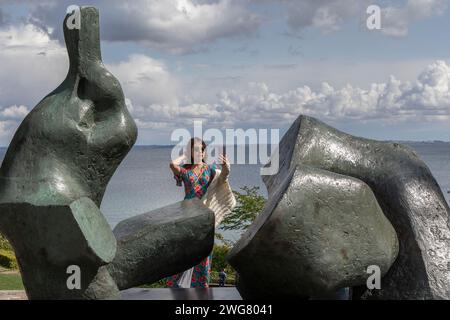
6,271
13,295
228,293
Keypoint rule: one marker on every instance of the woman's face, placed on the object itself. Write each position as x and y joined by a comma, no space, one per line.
197,152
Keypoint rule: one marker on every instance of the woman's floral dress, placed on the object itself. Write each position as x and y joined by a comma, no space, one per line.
196,186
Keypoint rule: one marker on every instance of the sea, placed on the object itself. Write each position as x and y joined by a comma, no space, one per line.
143,182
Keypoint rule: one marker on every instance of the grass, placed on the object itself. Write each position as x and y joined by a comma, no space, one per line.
14,282
158,284
11,282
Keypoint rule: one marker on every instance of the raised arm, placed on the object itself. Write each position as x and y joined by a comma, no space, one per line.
223,160
175,164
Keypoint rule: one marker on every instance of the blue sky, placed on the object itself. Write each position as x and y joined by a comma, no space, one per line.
245,64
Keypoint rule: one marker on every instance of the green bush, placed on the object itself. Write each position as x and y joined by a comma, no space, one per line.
4,244
218,258
8,260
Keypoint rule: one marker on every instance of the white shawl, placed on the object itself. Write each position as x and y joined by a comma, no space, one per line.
220,199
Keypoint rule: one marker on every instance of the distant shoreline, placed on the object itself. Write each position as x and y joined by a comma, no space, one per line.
392,141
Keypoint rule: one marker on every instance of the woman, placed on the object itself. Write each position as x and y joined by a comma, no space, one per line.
210,184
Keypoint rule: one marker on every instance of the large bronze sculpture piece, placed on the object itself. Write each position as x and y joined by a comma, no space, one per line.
405,190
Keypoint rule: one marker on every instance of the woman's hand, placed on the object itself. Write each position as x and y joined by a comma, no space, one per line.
175,164
223,160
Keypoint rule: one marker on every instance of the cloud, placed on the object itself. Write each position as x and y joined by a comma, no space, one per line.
394,101
330,15
10,118
15,112
189,26
427,97
327,15
7,129
178,26
396,20
30,64
146,80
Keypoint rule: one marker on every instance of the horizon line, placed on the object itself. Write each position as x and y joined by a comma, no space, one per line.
250,144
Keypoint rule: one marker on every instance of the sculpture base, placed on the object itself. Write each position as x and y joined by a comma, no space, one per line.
216,293
219,293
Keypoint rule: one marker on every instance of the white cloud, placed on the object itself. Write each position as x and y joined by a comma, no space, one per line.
7,129
15,112
426,99
146,80
151,124
10,119
30,64
394,100
177,26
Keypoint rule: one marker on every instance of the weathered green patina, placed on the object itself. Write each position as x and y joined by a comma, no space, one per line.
406,191
318,232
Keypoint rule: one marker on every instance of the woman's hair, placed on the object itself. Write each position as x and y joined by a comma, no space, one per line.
190,148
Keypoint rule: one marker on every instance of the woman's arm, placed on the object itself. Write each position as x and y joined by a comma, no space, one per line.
175,164
223,160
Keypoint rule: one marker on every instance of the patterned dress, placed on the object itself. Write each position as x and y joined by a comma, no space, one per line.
196,186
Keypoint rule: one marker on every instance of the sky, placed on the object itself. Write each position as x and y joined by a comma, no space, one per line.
247,64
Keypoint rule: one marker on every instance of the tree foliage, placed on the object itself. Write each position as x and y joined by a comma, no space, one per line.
4,244
249,205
